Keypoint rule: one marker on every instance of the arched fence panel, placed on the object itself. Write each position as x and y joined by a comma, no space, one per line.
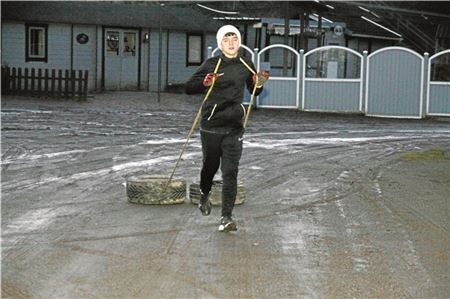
438,96
333,80
394,83
280,91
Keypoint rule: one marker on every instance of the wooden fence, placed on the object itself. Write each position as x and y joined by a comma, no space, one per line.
45,83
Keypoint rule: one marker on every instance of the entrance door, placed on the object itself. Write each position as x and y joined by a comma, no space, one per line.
121,59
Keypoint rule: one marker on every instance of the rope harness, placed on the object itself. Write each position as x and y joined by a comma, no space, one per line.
200,112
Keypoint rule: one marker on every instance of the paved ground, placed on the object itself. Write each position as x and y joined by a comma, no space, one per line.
338,206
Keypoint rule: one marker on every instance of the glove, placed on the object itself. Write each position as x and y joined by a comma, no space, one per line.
208,80
263,76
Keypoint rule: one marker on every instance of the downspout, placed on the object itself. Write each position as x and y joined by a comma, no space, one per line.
96,56
286,38
148,60
103,59
139,58
167,58
71,49
160,52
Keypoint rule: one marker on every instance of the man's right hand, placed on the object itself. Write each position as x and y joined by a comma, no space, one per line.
208,80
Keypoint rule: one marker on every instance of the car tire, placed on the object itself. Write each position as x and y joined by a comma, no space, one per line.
150,190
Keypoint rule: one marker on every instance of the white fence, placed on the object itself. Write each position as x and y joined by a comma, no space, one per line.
392,82
438,90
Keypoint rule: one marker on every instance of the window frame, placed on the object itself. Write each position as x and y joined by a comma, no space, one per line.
133,51
188,62
29,26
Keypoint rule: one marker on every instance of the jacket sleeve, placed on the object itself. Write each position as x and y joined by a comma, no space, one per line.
195,84
249,81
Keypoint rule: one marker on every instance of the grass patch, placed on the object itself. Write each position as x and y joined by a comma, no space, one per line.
434,154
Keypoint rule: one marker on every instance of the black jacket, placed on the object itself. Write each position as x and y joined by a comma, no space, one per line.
223,110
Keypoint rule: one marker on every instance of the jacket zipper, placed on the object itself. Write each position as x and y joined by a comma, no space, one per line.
212,112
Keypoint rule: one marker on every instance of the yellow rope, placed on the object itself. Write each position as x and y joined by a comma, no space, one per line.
194,123
249,109
249,68
200,111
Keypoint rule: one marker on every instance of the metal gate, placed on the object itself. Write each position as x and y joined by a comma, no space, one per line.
280,92
394,83
333,80
438,95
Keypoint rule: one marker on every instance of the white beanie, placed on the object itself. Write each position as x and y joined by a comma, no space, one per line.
224,30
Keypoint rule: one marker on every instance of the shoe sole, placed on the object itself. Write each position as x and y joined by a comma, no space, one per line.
207,211
228,227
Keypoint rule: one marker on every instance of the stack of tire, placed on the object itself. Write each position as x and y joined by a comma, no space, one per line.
153,190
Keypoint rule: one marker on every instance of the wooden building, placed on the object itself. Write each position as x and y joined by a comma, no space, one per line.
118,43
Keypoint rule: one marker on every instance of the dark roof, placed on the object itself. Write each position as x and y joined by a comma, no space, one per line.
110,13
262,9
358,27
416,21
443,31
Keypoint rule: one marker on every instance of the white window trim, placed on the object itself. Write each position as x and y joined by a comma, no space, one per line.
42,29
188,61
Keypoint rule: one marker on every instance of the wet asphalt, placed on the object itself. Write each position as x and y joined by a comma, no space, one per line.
337,206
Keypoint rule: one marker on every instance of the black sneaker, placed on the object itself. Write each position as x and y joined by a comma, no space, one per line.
227,224
205,205
205,208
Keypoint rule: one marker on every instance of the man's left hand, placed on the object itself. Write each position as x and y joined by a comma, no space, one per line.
263,76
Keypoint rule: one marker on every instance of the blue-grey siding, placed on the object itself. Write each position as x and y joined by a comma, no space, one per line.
281,93
59,49
174,70
154,50
179,72
439,102
84,56
394,84
13,46
332,96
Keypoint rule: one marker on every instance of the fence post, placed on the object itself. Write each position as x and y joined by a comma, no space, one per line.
66,85
72,82
256,63
5,79
80,84
425,84
209,51
39,82
33,77
85,86
13,79
19,78
364,81
46,83
59,83
301,77
52,92
25,90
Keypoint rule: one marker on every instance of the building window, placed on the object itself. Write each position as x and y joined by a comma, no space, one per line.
129,42
194,49
112,43
36,42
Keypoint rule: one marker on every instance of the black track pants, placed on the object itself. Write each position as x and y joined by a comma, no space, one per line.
223,150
